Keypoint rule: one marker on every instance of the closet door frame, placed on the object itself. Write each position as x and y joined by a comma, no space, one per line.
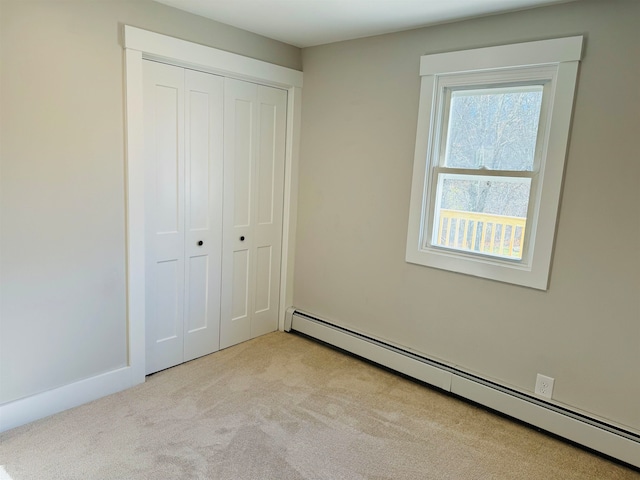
141,44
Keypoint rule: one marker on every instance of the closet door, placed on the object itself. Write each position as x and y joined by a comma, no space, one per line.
183,213
164,214
254,153
204,103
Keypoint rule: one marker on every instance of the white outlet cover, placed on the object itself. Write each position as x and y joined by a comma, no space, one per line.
544,386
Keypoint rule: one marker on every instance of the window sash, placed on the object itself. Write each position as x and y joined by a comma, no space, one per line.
491,89
516,78
432,221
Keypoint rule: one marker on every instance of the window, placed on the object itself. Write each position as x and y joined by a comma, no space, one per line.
493,128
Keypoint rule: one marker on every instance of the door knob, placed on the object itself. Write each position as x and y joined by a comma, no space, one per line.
242,238
200,243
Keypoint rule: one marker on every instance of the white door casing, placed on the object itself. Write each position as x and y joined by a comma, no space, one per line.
139,45
254,144
183,217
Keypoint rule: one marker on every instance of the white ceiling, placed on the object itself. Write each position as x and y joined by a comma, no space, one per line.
306,23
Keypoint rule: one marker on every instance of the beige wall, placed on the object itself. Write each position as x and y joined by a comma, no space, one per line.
62,180
358,131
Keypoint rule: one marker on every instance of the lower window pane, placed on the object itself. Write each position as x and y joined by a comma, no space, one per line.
481,214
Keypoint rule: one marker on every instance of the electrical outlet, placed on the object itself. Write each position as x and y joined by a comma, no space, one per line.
544,386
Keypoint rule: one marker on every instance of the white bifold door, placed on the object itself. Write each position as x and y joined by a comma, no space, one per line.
183,213
214,160
254,152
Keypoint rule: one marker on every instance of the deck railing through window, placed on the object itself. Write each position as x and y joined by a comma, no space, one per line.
497,235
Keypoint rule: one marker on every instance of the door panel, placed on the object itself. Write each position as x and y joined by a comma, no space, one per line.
240,297
168,132
198,159
198,281
267,163
268,222
243,156
183,197
239,160
263,278
168,324
255,120
164,134
203,207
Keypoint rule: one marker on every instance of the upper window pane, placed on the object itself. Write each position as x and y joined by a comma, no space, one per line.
493,128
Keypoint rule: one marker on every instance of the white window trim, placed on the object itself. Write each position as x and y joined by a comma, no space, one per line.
563,56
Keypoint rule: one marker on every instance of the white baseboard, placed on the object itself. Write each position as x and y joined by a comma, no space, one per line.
35,407
590,433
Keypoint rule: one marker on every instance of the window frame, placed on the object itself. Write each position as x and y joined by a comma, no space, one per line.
511,77
551,63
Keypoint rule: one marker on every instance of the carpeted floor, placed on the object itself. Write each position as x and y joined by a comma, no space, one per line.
284,407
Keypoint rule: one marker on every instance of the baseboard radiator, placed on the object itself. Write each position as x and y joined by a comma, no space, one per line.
592,433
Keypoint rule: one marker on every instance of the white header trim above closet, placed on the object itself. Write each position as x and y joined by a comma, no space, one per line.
207,59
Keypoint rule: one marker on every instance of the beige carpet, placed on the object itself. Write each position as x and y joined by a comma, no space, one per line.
284,407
